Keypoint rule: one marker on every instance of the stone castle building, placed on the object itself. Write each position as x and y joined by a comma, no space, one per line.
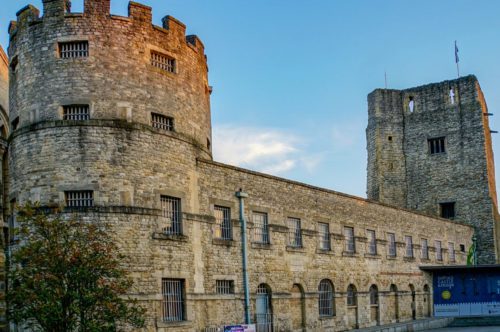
429,150
109,116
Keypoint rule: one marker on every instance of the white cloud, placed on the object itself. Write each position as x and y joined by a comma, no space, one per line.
267,150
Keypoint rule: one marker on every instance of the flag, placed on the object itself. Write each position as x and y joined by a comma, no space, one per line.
456,52
471,256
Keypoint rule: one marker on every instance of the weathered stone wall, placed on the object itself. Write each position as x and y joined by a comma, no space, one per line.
402,172
282,267
4,81
128,165
117,79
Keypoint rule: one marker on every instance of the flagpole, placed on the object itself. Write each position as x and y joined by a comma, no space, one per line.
458,71
385,77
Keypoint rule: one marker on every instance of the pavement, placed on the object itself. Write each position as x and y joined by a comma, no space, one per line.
468,329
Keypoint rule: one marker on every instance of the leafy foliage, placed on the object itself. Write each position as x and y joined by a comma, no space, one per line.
65,275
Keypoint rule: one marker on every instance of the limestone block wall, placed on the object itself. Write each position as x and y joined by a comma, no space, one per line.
281,266
402,171
116,79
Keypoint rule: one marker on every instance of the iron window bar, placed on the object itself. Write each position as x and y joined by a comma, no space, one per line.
223,223
76,112
162,122
79,199
74,49
325,299
294,232
261,227
224,287
171,210
162,61
173,300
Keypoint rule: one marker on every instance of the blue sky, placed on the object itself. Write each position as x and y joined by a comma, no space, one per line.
291,77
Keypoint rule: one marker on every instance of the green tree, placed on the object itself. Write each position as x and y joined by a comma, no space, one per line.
66,275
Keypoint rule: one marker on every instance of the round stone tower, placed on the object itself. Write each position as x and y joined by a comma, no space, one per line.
108,117
107,104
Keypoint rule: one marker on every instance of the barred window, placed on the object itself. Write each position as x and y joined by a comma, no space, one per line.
294,232
373,295
372,242
352,295
163,62
171,210
409,246
79,198
162,122
223,223
224,286
325,299
74,49
425,249
436,145
451,251
350,246
324,236
439,251
391,237
261,227
173,300
76,112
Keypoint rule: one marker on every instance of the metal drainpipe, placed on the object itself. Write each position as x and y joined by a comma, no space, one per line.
241,195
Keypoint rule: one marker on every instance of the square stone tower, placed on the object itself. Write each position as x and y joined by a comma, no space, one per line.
429,150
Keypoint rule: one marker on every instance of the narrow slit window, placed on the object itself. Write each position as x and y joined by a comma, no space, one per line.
74,49
452,97
372,242
409,246
350,246
391,237
162,122
76,112
79,198
163,62
451,251
324,236
294,232
425,249
261,227
439,251
436,145
411,104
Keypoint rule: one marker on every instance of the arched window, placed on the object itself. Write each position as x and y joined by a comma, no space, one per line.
352,295
326,303
264,310
373,295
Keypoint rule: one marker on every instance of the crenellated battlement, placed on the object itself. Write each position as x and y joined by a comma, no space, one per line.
117,67
139,15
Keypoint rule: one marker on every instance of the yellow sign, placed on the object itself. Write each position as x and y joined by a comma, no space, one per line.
446,295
